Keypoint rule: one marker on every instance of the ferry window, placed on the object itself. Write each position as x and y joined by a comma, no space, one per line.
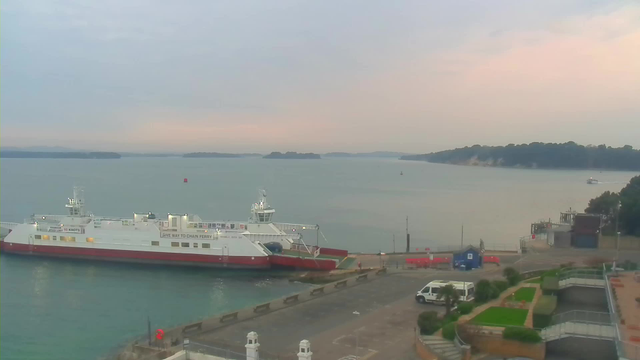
185,244
206,246
174,222
63,238
38,237
155,243
195,245
89,239
55,237
233,226
71,238
175,244
45,237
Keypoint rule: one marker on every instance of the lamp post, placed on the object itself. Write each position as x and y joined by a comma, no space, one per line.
617,232
356,331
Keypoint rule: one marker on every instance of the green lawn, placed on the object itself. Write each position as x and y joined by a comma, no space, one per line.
499,316
525,293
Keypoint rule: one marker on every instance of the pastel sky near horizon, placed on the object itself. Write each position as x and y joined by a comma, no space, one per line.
245,76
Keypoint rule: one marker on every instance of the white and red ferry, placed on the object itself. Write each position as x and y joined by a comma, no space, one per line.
180,239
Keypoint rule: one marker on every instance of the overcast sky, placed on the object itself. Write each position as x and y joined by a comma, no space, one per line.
236,76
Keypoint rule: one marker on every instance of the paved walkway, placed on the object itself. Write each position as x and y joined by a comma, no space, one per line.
529,321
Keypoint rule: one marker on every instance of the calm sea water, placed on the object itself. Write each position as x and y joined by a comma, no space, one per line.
82,310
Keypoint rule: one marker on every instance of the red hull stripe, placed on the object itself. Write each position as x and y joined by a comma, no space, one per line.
302,263
196,259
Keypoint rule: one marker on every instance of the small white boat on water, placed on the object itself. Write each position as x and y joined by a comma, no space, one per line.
592,181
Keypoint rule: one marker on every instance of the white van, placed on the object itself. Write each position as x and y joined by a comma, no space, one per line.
429,293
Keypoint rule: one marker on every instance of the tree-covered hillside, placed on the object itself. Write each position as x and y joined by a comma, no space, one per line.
539,155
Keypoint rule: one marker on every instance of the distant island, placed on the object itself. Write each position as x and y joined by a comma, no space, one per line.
291,155
58,155
539,155
374,154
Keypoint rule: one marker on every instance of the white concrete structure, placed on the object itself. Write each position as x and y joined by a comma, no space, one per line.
305,350
252,346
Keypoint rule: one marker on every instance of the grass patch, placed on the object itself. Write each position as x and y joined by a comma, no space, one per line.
499,316
525,293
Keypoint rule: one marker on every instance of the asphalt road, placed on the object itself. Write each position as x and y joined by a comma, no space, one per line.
376,319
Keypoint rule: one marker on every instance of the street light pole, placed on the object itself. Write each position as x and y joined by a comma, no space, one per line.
617,232
356,331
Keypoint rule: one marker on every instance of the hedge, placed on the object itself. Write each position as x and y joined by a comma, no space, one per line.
550,285
449,331
521,334
543,310
501,285
429,322
465,308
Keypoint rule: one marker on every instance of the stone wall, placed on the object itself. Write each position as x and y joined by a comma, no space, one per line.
495,345
626,242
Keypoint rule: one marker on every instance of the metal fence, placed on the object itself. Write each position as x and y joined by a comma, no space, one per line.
195,347
229,354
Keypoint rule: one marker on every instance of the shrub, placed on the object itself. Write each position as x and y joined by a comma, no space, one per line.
451,317
520,334
550,285
465,308
485,291
428,322
543,310
449,331
512,275
500,285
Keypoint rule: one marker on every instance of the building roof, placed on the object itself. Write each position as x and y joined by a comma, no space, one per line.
469,247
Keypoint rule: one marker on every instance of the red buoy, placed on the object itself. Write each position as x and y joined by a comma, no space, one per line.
185,180
159,334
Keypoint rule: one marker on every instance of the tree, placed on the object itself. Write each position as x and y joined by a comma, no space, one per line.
512,275
630,207
450,296
605,204
485,291
629,214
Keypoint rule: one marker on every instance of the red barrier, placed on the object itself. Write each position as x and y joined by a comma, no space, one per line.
426,262
491,259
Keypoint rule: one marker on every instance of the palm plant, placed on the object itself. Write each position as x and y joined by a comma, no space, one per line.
450,296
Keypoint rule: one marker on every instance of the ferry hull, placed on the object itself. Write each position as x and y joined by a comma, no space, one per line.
235,262
299,263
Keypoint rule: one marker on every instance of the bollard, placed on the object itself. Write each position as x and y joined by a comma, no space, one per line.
185,347
252,346
305,350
